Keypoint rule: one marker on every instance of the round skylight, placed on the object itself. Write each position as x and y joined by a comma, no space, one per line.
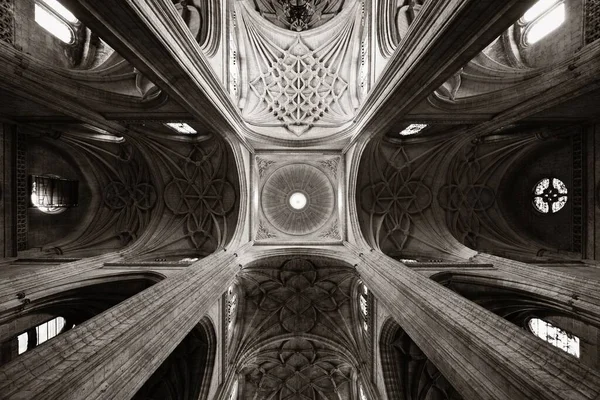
298,200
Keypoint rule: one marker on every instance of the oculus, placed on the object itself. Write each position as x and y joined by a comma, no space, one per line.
549,195
298,200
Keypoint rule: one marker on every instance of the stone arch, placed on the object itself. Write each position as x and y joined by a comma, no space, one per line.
519,303
511,299
76,302
187,373
407,372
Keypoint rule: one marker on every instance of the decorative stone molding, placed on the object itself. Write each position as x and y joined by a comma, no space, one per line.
316,178
592,21
299,84
394,19
7,21
21,190
299,15
297,178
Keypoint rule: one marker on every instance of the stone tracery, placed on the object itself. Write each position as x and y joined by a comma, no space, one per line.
297,81
193,203
393,194
298,369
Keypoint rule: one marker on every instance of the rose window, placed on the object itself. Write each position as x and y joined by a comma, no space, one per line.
549,195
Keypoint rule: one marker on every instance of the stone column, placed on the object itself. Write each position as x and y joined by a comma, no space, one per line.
581,295
111,355
481,354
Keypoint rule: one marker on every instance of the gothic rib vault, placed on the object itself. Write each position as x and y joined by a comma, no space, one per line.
252,224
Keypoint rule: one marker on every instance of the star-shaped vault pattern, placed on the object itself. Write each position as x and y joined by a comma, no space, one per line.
299,88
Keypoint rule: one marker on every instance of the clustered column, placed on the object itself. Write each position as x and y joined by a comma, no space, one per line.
481,354
113,354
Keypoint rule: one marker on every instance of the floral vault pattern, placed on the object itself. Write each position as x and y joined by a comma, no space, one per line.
298,369
298,339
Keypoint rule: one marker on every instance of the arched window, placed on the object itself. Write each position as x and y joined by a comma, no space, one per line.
363,299
555,336
234,391
361,392
52,194
231,310
56,19
412,129
549,195
40,334
542,18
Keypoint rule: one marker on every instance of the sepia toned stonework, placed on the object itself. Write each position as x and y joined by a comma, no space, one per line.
299,200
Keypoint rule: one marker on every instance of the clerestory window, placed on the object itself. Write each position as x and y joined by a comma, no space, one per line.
361,392
363,299
56,19
555,336
541,19
550,195
52,194
231,310
233,395
40,334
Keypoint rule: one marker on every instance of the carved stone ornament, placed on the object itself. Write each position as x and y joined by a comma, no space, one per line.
298,370
298,341
297,82
313,184
263,165
298,15
393,196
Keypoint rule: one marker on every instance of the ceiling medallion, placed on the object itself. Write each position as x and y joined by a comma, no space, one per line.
299,15
298,199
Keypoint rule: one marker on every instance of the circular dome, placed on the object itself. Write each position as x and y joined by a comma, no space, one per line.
298,199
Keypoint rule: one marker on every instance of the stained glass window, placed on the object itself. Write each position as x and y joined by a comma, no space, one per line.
550,195
555,336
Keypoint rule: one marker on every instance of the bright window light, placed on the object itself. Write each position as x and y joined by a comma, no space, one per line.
546,24
555,336
363,396
61,10
298,200
53,24
413,129
48,330
181,127
538,9
22,339
43,333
